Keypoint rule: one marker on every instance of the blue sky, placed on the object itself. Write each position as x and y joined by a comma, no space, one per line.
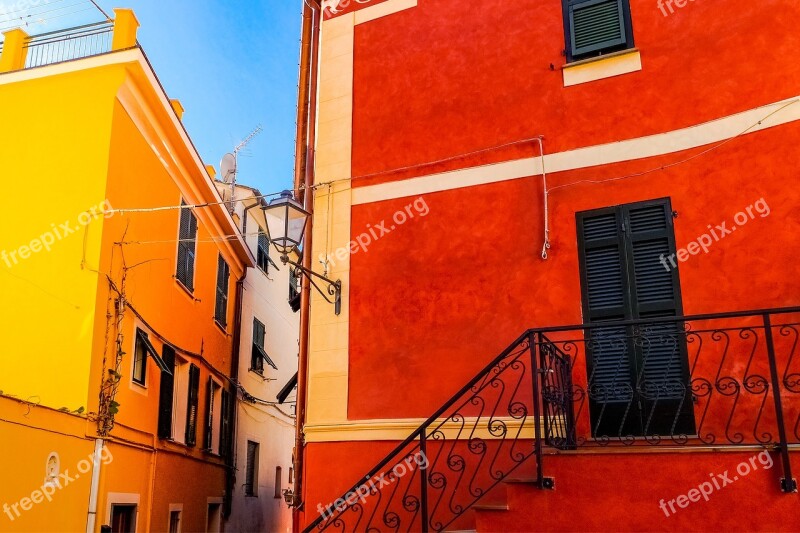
233,65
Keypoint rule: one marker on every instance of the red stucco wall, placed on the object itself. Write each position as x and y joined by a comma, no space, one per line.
450,77
437,299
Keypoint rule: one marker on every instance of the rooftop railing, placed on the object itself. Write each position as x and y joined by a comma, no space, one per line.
67,45
22,51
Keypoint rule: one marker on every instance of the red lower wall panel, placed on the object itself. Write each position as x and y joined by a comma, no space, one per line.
624,492
332,468
601,492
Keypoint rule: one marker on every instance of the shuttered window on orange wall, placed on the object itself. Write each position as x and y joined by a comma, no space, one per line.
225,424
191,415
221,305
187,236
166,392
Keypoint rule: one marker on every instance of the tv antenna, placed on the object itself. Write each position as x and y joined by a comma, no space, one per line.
229,165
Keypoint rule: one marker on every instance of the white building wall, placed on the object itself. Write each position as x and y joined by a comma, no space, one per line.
265,297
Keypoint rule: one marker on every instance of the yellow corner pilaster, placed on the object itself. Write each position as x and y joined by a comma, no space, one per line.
14,50
125,27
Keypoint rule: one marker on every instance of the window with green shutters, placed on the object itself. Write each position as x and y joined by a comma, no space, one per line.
187,236
225,423
623,279
221,306
251,470
259,355
596,27
191,409
262,257
165,400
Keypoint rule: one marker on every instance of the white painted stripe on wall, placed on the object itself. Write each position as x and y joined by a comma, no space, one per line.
643,147
383,9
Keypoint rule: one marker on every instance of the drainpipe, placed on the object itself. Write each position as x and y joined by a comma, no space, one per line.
230,460
91,518
304,170
302,99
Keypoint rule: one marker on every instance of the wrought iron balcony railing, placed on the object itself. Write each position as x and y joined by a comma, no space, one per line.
67,45
702,382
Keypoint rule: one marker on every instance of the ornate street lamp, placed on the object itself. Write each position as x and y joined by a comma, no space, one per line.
286,223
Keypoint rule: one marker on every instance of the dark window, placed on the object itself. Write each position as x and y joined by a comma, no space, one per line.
221,307
225,423
191,409
174,521
123,518
165,400
596,27
214,520
144,349
186,247
263,251
251,471
638,376
278,481
294,290
140,359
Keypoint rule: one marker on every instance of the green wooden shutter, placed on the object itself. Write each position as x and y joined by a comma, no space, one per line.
638,375
186,247
251,470
607,299
166,392
221,304
225,423
655,294
596,25
263,251
209,429
191,410
257,361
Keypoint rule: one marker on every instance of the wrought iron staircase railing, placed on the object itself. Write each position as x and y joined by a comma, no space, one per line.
707,382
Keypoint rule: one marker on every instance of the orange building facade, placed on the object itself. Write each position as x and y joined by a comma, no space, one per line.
129,427
610,183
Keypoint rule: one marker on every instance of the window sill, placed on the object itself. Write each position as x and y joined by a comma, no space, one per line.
139,388
257,373
223,329
601,67
189,292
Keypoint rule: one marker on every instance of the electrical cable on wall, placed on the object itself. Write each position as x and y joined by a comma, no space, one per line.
546,245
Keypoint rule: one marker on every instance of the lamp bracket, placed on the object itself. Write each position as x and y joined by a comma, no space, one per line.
333,289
